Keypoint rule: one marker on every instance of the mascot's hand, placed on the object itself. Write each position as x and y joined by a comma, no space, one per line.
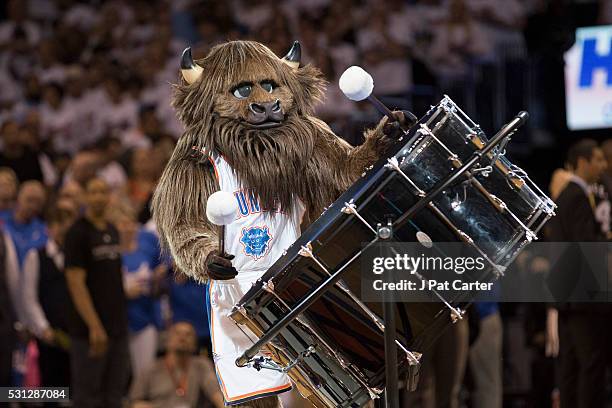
404,120
219,266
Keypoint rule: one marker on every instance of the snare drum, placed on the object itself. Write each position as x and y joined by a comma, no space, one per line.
334,351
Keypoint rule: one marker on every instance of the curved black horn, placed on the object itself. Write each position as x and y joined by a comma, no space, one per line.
190,70
294,55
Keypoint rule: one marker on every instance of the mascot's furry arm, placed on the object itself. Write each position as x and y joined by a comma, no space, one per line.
336,164
179,205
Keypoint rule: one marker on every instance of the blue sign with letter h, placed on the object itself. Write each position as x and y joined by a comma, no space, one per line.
591,60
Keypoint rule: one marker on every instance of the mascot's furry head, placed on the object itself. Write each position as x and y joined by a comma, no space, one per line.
254,108
249,105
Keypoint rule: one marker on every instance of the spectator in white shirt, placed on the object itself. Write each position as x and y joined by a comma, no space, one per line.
385,59
18,19
146,131
108,149
117,110
55,120
49,69
457,39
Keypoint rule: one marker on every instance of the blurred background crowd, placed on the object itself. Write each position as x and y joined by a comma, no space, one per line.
85,112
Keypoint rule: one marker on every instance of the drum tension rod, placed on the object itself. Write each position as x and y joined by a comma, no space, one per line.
392,163
351,208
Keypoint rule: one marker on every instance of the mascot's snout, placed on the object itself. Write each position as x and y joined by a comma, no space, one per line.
265,114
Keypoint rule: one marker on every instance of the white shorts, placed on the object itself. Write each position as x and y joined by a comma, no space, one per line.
238,384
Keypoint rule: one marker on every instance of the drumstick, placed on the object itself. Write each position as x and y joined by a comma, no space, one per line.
221,209
222,240
358,85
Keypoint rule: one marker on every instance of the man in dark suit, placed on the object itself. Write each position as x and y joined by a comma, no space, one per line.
582,341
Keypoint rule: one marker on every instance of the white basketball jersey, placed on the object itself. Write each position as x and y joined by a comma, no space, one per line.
258,236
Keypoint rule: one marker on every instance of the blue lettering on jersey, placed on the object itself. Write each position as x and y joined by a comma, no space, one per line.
248,203
242,205
253,202
256,241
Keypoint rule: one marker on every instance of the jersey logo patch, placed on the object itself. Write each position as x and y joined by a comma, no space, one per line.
256,241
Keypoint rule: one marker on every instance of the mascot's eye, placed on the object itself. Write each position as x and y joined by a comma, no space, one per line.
242,91
268,86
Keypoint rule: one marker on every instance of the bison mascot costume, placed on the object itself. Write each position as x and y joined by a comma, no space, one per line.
250,131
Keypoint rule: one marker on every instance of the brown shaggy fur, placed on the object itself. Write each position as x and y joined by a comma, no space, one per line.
266,402
301,158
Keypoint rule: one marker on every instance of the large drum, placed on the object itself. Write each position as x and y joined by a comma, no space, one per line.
334,350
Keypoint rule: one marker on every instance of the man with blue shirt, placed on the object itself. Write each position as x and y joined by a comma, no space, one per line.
143,272
24,231
23,224
188,304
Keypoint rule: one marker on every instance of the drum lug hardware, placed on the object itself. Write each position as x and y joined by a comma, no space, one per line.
238,314
373,394
413,373
306,250
448,105
424,129
485,171
498,202
349,208
456,314
455,160
530,235
498,271
475,139
414,358
242,311
268,286
392,163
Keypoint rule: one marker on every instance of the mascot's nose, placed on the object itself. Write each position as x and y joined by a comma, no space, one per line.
265,111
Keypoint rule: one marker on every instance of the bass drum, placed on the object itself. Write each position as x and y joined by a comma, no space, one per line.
334,351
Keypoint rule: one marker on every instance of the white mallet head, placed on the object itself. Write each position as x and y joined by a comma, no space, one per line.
356,83
221,208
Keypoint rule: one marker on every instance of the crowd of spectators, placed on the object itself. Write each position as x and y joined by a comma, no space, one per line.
85,107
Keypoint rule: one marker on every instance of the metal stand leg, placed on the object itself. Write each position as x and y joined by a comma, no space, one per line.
391,389
391,376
